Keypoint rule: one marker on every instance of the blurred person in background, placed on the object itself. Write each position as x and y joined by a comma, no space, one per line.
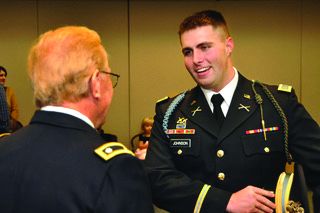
11,101
4,112
144,137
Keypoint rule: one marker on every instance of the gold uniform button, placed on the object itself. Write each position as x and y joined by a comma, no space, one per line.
220,153
179,152
221,176
266,149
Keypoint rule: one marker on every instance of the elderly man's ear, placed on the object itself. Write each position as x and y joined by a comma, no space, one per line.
95,85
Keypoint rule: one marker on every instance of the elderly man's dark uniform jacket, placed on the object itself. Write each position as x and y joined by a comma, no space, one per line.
50,167
193,167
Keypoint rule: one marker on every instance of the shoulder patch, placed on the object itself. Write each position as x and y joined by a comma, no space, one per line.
162,99
284,88
112,149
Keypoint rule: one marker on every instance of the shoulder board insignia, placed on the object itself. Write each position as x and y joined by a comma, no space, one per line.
4,134
162,99
284,88
112,149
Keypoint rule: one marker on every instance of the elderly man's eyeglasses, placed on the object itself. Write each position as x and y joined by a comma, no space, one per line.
114,77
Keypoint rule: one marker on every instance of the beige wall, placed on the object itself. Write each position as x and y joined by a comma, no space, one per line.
276,42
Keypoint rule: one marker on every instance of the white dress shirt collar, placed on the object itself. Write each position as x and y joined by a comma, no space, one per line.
68,111
226,92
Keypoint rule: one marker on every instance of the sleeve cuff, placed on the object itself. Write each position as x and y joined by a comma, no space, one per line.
201,197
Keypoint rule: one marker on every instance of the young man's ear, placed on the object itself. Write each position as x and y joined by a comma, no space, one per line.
95,85
229,45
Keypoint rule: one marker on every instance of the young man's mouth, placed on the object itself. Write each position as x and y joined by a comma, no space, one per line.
204,69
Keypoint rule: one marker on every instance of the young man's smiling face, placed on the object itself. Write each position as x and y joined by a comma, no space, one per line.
207,54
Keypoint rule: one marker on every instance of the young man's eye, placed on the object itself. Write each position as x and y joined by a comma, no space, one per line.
187,52
205,47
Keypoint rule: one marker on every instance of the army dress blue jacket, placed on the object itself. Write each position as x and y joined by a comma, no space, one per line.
51,166
193,168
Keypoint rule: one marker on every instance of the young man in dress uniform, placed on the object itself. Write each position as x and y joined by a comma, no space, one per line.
221,146
59,163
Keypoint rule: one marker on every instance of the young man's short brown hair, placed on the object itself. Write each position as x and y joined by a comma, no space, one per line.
204,18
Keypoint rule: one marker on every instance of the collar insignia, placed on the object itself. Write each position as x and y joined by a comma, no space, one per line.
196,110
241,106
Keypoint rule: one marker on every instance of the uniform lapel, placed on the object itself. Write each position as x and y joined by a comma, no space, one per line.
196,109
242,106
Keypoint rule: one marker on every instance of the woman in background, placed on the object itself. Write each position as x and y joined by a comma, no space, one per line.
11,101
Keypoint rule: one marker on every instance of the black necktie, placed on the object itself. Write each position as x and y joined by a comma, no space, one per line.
217,112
